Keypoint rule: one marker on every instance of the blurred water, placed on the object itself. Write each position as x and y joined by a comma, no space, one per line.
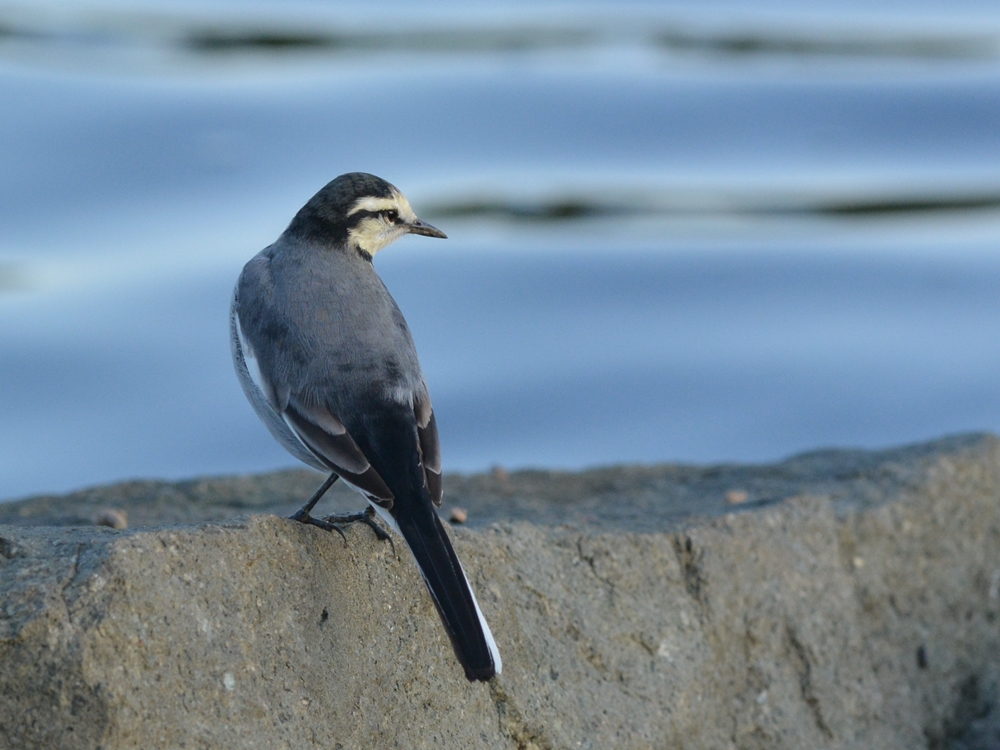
676,233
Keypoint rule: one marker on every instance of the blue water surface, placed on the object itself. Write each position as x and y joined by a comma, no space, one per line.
676,234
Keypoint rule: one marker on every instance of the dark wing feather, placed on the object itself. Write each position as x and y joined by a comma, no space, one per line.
327,437
430,448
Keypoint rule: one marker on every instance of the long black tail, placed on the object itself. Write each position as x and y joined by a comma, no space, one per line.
449,587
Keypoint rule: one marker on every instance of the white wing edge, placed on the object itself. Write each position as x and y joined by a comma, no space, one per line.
265,394
250,362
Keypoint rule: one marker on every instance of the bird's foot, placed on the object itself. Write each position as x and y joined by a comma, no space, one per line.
338,521
322,523
367,517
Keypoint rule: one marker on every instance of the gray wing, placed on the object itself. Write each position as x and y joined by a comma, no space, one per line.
314,435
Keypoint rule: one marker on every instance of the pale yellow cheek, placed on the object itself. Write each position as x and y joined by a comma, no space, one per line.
372,235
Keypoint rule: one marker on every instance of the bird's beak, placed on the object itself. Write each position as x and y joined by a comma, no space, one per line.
422,227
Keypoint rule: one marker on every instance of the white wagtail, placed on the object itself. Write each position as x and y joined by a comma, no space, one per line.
327,361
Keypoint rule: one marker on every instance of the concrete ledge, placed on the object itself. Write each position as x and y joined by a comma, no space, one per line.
852,601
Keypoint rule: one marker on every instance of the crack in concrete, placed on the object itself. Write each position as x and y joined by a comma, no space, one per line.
70,578
689,559
591,562
805,680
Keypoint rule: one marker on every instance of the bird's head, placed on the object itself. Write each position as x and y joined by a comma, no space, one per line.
362,211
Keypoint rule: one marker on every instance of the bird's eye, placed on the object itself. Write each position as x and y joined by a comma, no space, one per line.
392,216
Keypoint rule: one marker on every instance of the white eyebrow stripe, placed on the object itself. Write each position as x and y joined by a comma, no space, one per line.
395,202
374,205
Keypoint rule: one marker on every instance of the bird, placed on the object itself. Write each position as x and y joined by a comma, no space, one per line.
327,361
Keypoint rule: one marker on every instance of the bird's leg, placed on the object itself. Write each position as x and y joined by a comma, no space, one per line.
302,514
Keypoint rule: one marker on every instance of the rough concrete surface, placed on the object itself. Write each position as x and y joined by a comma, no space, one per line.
851,600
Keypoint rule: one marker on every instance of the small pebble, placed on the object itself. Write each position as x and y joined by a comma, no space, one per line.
859,562
736,497
116,519
458,515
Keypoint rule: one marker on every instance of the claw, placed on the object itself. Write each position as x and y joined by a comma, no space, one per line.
367,517
336,522
321,523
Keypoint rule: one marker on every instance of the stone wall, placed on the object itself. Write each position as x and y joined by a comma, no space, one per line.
841,599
